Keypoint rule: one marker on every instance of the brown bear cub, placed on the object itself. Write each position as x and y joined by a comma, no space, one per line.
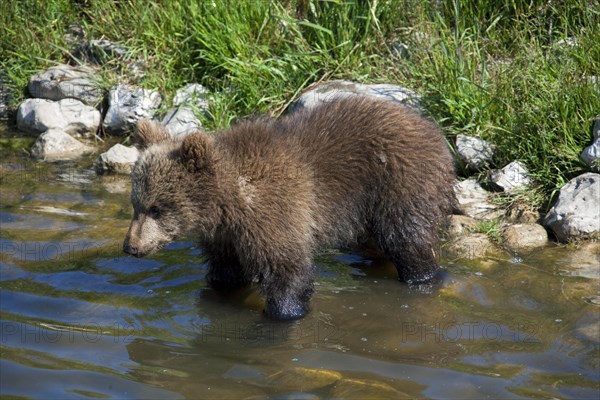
263,196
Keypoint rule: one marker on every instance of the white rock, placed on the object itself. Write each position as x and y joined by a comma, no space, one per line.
474,200
118,159
474,152
525,236
193,94
181,121
513,176
69,115
576,213
127,105
64,81
591,154
330,90
56,145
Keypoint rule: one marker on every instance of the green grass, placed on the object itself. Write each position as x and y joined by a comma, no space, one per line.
491,228
494,69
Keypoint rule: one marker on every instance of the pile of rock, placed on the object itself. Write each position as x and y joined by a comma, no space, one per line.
64,112
574,216
128,105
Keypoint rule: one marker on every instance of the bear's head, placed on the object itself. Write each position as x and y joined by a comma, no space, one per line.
174,188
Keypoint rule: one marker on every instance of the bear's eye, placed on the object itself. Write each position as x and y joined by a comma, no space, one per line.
154,212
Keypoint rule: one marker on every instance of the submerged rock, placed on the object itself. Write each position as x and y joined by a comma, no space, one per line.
305,379
68,115
591,154
64,81
576,213
583,261
525,236
474,200
513,176
474,152
588,328
127,105
56,145
328,91
365,389
118,159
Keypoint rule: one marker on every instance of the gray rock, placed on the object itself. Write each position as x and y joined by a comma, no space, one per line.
328,91
525,236
118,159
57,145
98,51
576,213
513,176
591,154
104,48
475,153
69,115
64,81
192,94
181,121
127,105
474,200
189,101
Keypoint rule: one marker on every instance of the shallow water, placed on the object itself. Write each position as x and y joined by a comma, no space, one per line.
80,320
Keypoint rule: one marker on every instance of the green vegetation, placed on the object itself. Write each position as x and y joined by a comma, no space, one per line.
491,228
518,73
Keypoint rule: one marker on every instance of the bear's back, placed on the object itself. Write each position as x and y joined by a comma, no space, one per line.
347,155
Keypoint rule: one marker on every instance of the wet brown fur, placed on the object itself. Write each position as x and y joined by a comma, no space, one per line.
263,196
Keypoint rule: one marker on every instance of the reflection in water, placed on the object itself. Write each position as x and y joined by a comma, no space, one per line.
80,320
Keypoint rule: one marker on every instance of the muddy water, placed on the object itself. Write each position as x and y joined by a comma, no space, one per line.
80,320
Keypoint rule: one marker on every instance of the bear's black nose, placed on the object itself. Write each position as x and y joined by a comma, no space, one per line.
130,249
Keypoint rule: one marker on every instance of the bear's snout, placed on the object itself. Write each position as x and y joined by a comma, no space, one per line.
131,250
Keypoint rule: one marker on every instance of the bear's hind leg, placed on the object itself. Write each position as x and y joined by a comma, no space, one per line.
411,248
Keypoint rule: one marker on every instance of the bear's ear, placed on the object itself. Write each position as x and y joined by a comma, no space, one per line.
148,133
197,152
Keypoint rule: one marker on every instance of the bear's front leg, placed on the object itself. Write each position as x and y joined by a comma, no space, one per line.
288,290
225,272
